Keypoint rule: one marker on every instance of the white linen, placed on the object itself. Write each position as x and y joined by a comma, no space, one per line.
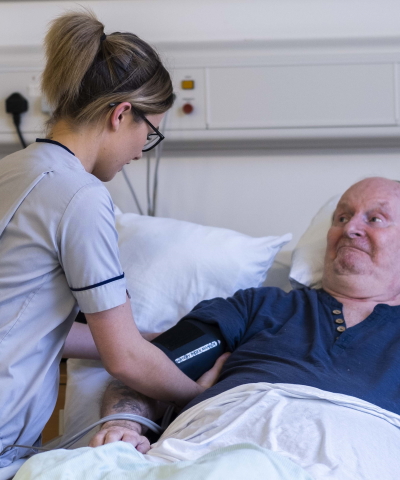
121,461
309,253
171,265
332,436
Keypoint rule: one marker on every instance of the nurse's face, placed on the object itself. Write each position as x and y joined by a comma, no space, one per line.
123,143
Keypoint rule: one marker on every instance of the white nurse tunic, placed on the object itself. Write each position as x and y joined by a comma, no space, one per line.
58,254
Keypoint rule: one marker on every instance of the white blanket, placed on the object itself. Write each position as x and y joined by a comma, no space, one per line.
121,461
331,436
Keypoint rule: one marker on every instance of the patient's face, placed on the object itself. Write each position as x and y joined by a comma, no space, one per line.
363,244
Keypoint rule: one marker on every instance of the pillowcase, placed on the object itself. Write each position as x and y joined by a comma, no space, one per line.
308,255
171,265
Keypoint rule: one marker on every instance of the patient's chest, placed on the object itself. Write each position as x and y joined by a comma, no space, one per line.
317,349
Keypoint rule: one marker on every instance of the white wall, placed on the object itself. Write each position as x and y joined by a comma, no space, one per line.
24,23
256,192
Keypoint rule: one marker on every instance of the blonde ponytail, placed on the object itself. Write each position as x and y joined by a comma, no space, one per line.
87,70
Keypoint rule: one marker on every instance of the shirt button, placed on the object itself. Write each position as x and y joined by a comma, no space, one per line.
341,329
336,312
339,320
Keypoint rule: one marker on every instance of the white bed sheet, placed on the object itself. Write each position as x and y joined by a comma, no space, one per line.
332,436
121,461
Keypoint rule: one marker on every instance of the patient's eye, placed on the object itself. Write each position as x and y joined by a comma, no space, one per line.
375,219
339,218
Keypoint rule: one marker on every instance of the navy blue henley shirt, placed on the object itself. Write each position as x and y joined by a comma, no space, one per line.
301,337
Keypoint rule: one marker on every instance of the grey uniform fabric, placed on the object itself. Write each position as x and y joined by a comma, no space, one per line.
58,253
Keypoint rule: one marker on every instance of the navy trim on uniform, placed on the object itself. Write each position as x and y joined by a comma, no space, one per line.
98,284
54,142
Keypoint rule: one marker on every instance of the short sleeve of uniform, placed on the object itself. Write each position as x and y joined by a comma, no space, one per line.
88,250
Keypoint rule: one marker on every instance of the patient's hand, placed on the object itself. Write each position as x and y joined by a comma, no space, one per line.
119,398
121,430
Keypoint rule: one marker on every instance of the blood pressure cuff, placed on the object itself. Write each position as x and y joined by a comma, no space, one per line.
192,345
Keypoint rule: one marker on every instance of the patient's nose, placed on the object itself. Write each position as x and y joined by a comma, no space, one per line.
355,227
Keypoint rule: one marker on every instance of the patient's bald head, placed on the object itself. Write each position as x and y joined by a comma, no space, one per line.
363,244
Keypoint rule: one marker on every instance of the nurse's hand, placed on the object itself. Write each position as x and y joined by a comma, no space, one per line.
124,431
210,378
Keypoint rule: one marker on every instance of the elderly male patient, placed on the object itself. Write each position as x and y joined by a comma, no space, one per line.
339,345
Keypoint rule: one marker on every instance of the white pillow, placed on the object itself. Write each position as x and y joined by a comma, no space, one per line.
171,265
308,256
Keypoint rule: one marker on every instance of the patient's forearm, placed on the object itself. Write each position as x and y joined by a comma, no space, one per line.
118,398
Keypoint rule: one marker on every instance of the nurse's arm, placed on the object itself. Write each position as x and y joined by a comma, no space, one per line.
136,362
80,343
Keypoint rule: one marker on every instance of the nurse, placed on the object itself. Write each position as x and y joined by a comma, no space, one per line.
58,243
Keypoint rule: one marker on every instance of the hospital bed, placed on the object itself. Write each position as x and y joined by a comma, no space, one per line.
170,266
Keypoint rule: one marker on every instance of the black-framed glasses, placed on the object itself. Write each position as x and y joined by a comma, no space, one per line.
153,139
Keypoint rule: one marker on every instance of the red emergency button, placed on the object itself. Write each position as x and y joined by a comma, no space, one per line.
187,108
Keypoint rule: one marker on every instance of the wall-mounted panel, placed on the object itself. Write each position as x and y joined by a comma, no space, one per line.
261,94
308,96
189,110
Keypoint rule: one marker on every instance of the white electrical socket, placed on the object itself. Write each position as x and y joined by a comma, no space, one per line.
32,122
